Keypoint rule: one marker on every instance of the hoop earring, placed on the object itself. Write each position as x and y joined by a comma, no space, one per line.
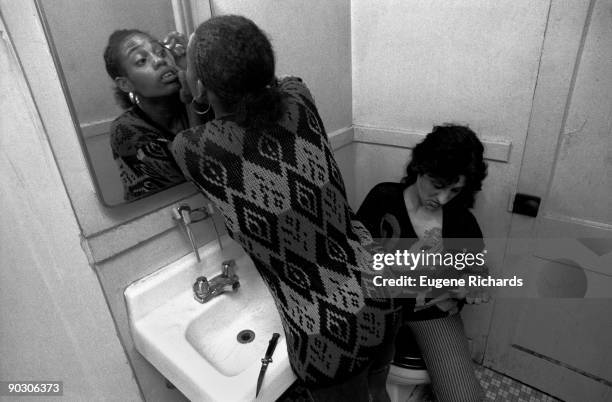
196,111
134,98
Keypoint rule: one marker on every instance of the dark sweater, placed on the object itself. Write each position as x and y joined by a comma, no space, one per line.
140,149
283,199
384,214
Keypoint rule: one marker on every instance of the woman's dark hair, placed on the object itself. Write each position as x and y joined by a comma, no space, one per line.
234,59
446,153
112,61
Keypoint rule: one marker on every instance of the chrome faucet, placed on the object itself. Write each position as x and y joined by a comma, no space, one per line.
204,290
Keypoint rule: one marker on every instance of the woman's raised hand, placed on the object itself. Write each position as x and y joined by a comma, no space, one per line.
176,43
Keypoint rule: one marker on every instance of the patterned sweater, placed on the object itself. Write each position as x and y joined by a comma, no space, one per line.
283,199
140,149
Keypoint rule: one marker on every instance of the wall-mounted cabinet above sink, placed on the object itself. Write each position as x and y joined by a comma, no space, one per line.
210,351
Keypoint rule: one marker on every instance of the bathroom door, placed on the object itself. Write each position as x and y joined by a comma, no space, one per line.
556,335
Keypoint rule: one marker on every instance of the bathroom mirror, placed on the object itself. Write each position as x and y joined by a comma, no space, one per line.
78,32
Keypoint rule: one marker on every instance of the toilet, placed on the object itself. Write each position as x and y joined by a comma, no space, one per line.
407,369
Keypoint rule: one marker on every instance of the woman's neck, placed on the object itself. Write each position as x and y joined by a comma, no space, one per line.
217,105
220,110
411,198
163,111
427,224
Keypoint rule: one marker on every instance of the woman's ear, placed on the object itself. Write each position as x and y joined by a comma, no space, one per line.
124,84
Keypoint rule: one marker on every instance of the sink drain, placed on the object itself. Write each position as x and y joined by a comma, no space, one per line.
245,336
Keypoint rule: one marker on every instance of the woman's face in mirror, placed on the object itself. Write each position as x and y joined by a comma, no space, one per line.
150,70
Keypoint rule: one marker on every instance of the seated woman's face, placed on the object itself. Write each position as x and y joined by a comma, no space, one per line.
435,193
150,68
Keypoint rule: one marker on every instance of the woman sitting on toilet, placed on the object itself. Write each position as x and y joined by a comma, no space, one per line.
428,209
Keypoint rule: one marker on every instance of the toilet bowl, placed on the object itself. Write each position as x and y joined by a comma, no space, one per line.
407,369
401,381
407,376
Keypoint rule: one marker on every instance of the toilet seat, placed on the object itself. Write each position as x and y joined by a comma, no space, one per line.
401,381
407,376
408,366
407,369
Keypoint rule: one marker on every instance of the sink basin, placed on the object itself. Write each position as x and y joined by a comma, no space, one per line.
238,334
210,351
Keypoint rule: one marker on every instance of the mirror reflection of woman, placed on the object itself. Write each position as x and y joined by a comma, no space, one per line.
145,73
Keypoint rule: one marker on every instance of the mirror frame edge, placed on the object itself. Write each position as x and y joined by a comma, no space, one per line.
185,16
24,26
64,84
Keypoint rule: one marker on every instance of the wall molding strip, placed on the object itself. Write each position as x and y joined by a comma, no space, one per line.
96,128
495,149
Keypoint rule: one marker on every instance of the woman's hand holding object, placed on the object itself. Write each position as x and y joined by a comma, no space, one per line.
176,43
472,294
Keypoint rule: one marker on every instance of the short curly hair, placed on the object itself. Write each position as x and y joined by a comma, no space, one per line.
446,153
234,59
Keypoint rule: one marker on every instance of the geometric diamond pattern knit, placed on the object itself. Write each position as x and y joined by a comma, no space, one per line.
283,199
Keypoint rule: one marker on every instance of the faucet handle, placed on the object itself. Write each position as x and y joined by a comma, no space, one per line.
182,213
228,268
185,211
201,288
176,214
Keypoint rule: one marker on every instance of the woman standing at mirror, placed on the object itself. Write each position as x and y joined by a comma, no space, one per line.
267,164
145,74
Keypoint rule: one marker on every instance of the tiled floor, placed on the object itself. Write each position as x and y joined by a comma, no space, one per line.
497,387
501,388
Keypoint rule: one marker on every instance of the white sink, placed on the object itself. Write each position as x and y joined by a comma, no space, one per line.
201,348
